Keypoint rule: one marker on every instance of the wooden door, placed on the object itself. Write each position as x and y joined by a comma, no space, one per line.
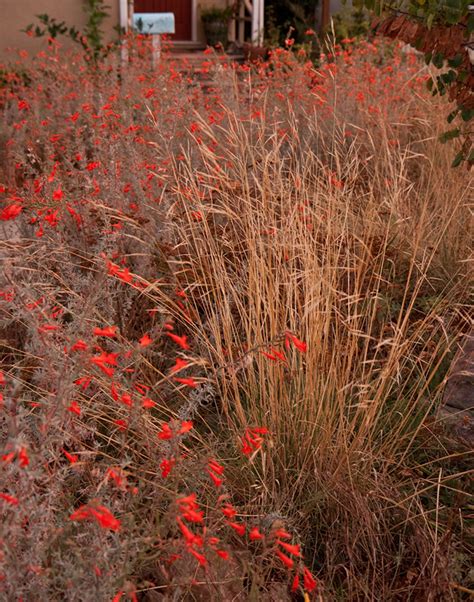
182,10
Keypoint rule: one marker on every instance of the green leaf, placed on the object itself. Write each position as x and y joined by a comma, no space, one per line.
449,135
440,85
458,159
449,77
467,114
438,60
452,17
470,23
452,115
455,61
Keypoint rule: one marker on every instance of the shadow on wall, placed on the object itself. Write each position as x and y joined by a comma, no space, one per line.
16,16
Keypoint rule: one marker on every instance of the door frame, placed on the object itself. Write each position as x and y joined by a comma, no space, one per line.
126,12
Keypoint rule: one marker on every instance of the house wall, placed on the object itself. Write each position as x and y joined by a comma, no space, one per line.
15,15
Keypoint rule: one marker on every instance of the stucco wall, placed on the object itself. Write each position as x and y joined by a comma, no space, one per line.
15,15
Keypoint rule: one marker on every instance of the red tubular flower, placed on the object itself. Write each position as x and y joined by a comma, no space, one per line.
189,382
188,535
145,341
223,554
189,509
282,534
74,408
107,331
10,212
79,345
83,382
229,511
105,518
141,388
290,548
166,466
238,528
114,392
275,355
188,500
115,476
10,499
192,515
122,274
255,534
126,399
309,581
58,194
216,467
278,354
296,583
148,403
251,441
179,365
287,561
23,457
300,345
71,457
217,482
260,430
166,432
181,341
200,557
186,426
104,361
48,328
82,513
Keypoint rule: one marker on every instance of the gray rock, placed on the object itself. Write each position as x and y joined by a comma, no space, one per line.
458,399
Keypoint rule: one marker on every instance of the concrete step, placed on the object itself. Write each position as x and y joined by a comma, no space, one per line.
180,47
195,61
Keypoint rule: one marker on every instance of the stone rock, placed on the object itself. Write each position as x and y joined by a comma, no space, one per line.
458,399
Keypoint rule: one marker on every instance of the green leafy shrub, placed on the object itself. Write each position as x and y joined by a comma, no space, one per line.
91,38
443,32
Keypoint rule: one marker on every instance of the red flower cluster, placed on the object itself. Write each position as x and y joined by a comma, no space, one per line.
291,338
167,432
252,439
104,518
10,212
215,469
189,511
